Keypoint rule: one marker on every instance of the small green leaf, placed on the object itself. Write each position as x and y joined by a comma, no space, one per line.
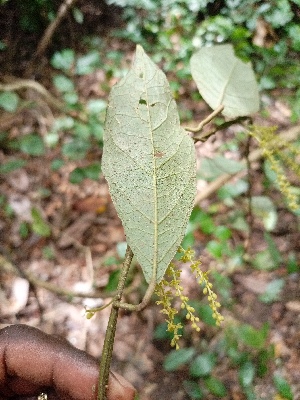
23,230
231,190
51,139
121,249
264,208
283,387
212,168
202,365
111,260
192,389
203,220
273,290
63,60
49,252
112,281
223,79
90,172
238,221
263,360
77,176
227,165
189,239
78,15
294,34
39,226
263,260
161,332
63,84
32,144
177,358
215,386
224,285
88,63
246,374
222,232
273,249
82,131
255,338
9,101
57,164
63,123
215,248
270,174
249,393
11,165
76,149
292,264
97,129
71,98
237,356
205,313
280,15
96,106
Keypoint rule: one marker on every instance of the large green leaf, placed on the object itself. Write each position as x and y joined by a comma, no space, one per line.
223,79
149,163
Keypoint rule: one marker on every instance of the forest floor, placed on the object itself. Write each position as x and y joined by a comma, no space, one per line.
85,249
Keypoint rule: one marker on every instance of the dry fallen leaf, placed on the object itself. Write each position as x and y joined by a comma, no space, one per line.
293,305
91,204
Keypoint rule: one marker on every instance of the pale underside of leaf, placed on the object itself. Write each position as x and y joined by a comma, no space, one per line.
149,163
223,79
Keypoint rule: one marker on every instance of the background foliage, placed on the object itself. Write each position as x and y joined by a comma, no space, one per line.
265,32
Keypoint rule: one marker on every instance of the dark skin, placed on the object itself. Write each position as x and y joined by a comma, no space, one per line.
32,362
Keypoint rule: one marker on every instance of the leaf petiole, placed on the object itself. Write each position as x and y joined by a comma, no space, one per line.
206,120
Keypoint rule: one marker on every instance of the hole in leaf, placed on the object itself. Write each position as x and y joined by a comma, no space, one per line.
142,101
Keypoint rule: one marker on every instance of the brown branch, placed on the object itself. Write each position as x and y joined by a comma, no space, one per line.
202,137
19,84
8,267
46,38
44,42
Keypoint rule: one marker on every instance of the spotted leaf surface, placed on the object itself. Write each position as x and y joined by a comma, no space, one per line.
149,163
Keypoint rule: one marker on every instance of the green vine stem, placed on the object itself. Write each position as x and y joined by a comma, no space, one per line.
111,329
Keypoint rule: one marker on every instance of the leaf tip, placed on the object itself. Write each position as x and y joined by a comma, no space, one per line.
139,49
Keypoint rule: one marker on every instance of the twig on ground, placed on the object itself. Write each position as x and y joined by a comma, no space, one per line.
7,266
19,84
289,135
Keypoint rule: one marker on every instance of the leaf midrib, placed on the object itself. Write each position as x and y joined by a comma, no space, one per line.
227,83
154,182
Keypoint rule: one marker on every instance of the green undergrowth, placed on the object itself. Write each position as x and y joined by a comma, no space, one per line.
267,33
171,31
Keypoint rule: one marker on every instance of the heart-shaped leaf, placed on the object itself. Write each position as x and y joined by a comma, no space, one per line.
223,79
149,163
